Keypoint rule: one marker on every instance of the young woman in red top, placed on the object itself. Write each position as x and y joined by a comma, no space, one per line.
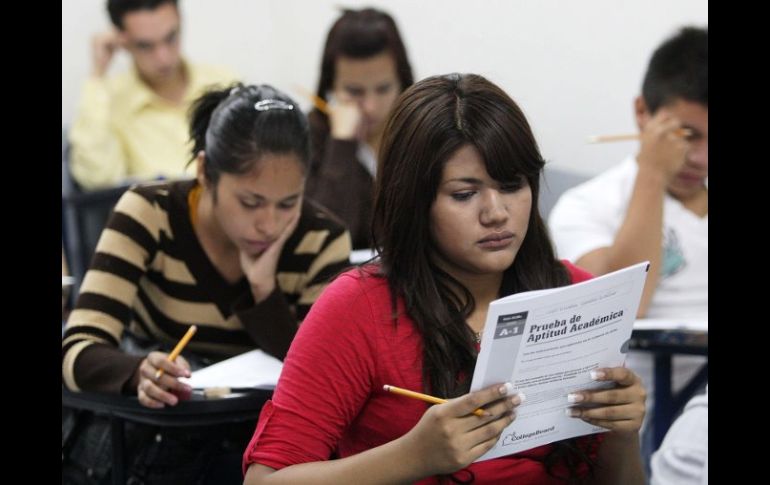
457,226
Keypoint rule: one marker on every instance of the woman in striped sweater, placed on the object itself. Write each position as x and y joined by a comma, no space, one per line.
237,251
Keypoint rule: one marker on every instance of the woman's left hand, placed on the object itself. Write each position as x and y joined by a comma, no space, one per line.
260,270
620,409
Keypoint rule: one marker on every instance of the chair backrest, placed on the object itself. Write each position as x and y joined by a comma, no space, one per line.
553,183
84,215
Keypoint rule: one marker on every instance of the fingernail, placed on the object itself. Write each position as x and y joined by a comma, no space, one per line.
572,397
572,413
506,389
597,375
522,396
518,398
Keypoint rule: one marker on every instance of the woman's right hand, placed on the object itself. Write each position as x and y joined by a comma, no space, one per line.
345,118
154,393
450,437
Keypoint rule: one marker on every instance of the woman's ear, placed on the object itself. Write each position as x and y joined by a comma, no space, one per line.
200,165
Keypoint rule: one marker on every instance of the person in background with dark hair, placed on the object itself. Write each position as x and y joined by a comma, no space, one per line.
238,251
654,206
133,126
363,70
457,226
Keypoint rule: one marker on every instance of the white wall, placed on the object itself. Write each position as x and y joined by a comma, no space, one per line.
573,66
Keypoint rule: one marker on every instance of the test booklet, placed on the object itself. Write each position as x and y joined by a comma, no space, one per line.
546,343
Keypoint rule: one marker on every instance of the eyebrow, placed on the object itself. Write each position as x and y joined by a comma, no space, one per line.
467,180
149,43
262,197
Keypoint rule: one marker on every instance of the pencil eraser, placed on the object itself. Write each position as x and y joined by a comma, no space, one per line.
216,392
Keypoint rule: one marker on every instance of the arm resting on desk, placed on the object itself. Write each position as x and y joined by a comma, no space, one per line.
102,368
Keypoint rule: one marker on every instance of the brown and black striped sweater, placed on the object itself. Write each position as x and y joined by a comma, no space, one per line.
151,275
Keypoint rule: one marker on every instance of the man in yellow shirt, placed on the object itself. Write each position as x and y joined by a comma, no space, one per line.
134,126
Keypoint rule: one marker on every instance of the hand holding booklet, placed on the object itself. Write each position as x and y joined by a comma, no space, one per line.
546,343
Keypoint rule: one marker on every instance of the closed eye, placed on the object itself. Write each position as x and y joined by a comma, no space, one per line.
462,196
251,204
288,204
694,136
354,92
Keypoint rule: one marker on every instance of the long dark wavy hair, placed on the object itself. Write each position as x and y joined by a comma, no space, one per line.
429,123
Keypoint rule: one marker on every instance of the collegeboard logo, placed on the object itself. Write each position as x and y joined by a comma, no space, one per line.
513,437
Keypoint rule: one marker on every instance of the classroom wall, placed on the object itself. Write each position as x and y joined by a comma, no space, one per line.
573,67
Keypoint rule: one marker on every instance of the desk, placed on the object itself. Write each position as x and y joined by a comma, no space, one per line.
664,344
197,411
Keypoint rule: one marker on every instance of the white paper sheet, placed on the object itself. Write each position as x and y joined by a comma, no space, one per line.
251,369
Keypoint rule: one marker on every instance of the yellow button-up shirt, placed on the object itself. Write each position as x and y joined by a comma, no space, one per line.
125,131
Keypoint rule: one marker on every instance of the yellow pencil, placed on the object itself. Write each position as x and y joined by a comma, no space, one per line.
424,397
317,101
683,132
178,349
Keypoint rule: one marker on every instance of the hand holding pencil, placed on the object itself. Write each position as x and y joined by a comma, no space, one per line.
345,117
453,434
156,379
